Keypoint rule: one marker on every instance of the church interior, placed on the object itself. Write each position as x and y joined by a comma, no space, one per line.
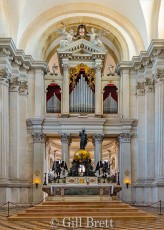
82,112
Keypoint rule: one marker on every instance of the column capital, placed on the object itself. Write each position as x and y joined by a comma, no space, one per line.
65,138
158,74
98,137
124,138
39,137
4,76
23,88
98,67
65,67
149,85
14,84
140,88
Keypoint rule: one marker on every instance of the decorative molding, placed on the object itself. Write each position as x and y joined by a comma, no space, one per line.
124,138
39,137
89,72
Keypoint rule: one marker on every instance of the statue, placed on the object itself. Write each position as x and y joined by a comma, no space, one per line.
83,139
95,37
68,36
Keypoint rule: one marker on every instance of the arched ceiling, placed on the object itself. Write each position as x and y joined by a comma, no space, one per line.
130,25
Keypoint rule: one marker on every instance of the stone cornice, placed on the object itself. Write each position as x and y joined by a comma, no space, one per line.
145,57
18,54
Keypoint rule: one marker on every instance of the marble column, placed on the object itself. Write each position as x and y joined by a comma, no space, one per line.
5,71
65,90
125,165
39,159
97,141
98,91
66,141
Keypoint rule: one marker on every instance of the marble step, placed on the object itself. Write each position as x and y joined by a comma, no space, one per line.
81,210
47,217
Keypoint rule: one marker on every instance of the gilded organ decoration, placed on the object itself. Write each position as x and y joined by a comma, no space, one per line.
89,73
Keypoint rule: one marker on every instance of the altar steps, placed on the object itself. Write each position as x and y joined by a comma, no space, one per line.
100,210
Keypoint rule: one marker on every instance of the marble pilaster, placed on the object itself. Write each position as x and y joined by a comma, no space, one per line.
159,124
65,90
97,141
39,92
124,105
66,141
98,91
5,71
125,164
14,123
39,160
23,130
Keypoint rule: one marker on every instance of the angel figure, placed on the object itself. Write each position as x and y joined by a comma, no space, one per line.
68,36
95,37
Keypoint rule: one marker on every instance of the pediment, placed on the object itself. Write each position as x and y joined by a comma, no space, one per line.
82,47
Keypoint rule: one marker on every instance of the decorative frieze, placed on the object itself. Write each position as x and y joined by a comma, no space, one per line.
124,138
39,137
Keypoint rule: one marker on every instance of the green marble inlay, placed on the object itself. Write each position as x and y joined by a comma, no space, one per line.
81,191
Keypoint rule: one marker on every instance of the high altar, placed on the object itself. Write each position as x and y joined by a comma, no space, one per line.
81,179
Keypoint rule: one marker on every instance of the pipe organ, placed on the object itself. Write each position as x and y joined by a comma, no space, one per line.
53,105
110,105
82,97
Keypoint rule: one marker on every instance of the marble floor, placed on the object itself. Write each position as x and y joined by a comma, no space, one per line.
124,225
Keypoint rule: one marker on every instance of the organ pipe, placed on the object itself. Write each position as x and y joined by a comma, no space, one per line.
82,97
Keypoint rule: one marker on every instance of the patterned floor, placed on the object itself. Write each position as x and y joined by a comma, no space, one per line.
123,225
